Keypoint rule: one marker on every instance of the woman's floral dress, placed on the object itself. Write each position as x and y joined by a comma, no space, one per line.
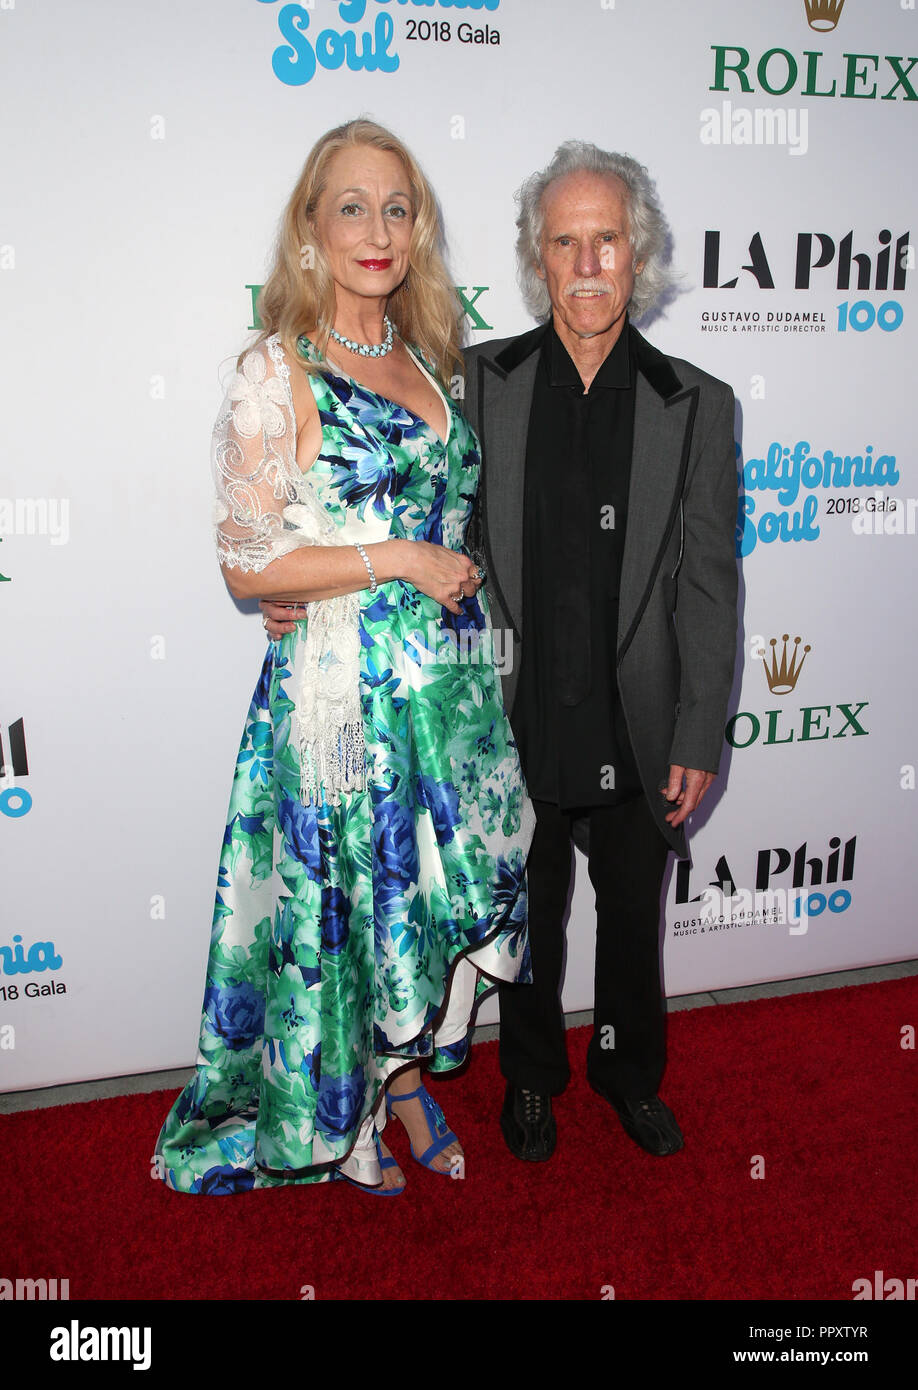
343,924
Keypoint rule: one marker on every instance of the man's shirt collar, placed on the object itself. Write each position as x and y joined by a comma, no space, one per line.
615,371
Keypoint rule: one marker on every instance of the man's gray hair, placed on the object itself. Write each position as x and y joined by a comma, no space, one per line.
647,225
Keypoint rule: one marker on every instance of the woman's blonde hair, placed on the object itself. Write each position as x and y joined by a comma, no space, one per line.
299,296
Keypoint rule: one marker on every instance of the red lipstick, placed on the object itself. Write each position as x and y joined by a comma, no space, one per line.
375,265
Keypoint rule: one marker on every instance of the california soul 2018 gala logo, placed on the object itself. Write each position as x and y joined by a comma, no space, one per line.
370,48
791,481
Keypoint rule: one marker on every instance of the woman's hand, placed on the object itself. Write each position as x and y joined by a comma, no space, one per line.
447,576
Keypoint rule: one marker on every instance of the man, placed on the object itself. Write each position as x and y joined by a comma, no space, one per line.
606,528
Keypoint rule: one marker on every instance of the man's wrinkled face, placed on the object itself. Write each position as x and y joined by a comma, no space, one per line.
587,259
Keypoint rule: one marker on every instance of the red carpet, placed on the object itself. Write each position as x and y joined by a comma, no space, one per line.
816,1085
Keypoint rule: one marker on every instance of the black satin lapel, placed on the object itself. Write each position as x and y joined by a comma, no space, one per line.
504,406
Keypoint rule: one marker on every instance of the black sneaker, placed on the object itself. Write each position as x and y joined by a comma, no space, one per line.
650,1123
527,1124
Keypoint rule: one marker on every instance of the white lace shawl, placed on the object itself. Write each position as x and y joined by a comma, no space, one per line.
267,507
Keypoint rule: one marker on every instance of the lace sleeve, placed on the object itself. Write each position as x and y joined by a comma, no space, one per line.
254,462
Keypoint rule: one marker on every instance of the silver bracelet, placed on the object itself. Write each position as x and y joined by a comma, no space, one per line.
366,560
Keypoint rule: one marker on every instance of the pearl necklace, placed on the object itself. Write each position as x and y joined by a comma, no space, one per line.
367,349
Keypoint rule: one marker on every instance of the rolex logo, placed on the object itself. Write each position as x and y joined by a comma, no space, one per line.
783,673
823,15
783,665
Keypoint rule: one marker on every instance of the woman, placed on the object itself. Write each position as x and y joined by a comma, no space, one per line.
378,827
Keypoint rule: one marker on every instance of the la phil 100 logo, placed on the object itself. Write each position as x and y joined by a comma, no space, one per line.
14,801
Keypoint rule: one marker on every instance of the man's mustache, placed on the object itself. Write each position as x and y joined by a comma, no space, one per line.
588,287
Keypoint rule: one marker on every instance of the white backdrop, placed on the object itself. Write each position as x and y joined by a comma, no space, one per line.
148,152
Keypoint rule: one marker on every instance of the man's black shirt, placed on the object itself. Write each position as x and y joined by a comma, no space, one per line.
567,716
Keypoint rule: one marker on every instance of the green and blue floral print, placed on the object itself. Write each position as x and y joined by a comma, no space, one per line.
338,922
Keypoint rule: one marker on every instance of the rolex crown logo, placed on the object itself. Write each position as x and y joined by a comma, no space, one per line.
782,673
823,15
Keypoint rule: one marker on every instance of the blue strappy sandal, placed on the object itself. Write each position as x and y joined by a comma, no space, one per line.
440,1133
375,1191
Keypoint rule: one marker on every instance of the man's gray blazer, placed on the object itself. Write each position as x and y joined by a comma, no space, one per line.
677,607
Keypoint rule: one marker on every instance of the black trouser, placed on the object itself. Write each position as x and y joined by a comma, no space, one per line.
627,857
